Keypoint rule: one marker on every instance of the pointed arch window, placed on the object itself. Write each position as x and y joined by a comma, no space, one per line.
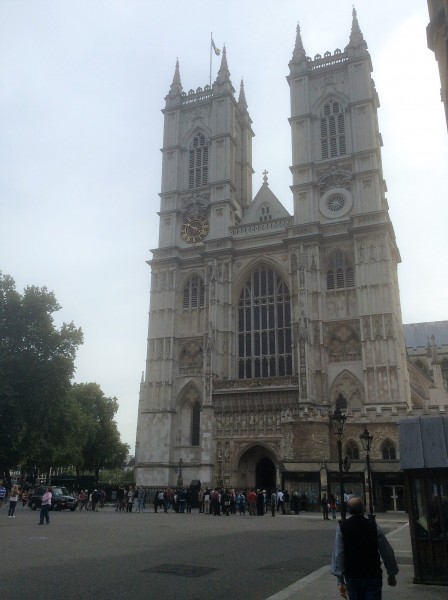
332,130
444,368
265,213
388,450
352,450
196,424
264,326
340,273
194,293
198,162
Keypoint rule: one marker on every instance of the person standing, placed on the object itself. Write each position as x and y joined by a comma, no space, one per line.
2,494
324,504
252,500
201,500
207,497
332,502
13,498
140,499
281,501
45,507
295,502
130,500
95,500
273,503
359,547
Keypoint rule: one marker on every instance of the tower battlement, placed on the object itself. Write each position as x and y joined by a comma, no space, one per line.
327,60
198,95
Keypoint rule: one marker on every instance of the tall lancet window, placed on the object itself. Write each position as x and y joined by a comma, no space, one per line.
196,424
198,162
340,273
264,326
194,293
332,130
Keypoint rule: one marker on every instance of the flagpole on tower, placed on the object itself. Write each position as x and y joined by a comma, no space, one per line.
211,45
216,50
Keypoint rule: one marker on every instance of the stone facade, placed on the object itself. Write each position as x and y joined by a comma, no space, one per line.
437,34
260,320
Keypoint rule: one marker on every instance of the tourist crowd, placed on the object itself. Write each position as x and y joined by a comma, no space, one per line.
221,501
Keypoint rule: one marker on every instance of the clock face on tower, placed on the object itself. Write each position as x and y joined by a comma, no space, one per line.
194,229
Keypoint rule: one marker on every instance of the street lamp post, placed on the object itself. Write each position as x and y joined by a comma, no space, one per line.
366,440
337,420
180,479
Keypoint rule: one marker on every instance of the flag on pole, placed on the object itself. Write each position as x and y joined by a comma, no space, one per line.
217,50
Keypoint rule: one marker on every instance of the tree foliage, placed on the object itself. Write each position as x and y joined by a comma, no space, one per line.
36,368
101,445
45,421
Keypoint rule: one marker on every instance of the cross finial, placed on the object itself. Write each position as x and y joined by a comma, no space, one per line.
265,176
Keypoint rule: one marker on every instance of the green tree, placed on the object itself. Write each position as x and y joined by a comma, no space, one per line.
101,444
36,369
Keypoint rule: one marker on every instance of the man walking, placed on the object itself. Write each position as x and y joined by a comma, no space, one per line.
324,504
45,507
356,556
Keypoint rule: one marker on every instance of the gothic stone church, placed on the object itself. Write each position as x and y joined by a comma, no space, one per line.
261,320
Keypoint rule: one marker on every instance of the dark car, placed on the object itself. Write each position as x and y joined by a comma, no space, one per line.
60,500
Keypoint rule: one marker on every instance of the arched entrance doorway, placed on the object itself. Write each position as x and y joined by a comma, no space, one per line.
257,468
265,474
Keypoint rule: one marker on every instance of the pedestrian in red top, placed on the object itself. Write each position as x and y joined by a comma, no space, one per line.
252,499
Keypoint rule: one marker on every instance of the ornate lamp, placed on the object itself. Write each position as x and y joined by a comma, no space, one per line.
366,440
337,421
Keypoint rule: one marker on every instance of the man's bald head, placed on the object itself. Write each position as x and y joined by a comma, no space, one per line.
355,506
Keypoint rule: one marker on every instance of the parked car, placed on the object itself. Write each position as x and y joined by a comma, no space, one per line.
60,500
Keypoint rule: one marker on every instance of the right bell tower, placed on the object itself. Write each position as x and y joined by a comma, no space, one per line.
348,295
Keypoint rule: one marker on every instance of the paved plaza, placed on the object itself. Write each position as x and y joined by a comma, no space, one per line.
191,556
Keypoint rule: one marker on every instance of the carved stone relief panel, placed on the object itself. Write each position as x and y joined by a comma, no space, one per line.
334,176
344,343
191,355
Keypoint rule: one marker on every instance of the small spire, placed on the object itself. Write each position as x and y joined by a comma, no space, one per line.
176,86
242,97
223,73
265,177
298,60
223,77
434,351
356,38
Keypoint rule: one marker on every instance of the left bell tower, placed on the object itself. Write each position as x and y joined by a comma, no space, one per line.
206,187
207,161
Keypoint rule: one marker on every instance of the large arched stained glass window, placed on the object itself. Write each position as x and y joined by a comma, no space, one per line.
264,326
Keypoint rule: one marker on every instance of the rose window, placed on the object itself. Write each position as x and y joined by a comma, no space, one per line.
336,202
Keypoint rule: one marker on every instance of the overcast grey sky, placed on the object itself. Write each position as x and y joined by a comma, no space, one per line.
81,88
